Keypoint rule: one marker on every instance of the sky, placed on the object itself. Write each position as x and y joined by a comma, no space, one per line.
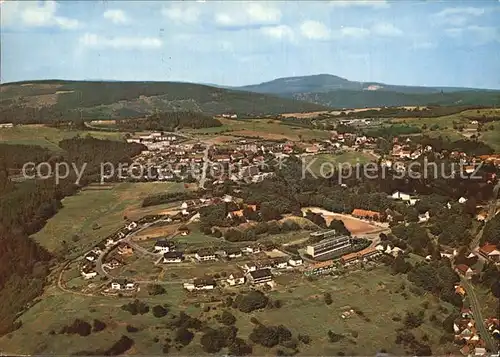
409,42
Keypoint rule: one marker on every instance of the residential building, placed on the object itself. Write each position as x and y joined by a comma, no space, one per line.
122,284
295,261
334,246
260,276
490,252
280,263
464,270
131,226
236,278
163,246
125,249
6,125
173,257
92,256
321,268
206,283
88,271
251,249
364,254
233,253
400,196
205,255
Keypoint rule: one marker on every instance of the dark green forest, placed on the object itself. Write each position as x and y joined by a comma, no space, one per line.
26,206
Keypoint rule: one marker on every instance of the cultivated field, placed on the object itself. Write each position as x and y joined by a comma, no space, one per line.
263,128
48,137
75,222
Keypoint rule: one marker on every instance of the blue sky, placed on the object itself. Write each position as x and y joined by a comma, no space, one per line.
445,43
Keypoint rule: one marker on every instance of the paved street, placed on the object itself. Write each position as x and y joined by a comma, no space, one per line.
478,317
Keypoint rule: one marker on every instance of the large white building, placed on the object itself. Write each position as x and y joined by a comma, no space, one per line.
334,246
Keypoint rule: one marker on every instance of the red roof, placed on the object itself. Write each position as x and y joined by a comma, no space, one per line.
462,268
487,248
364,213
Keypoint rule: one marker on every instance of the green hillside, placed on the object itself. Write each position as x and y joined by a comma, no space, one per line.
64,100
369,99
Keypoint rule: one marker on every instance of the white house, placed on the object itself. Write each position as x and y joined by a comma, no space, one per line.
122,284
423,217
280,263
203,256
88,271
236,278
233,253
201,284
462,200
173,257
7,125
295,261
163,246
92,256
132,225
401,196
110,242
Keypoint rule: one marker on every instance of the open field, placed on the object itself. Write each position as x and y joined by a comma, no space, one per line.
74,223
329,161
492,137
304,311
48,137
354,225
264,128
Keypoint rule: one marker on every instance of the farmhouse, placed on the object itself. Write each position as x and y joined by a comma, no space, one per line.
260,276
7,125
490,252
251,249
204,283
334,246
173,257
234,214
236,278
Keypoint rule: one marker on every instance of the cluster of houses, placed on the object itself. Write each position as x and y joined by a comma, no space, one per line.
87,270
466,332
255,273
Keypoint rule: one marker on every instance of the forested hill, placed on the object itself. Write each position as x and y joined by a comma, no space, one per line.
44,100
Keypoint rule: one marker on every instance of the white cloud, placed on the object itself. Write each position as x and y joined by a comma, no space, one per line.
116,16
180,13
129,43
35,14
457,16
477,35
356,32
248,14
386,29
377,4
315,30
279,32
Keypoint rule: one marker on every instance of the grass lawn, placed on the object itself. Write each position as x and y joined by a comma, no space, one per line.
492,137
48,137
107,208
327,160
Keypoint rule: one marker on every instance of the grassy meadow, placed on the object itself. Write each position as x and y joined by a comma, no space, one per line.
48,137
74,223
383,298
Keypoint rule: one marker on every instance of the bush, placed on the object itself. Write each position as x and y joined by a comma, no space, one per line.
136,307
131,328
98,326
328,299
227,318
159,311
305,339
78,327
155,289
254,300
